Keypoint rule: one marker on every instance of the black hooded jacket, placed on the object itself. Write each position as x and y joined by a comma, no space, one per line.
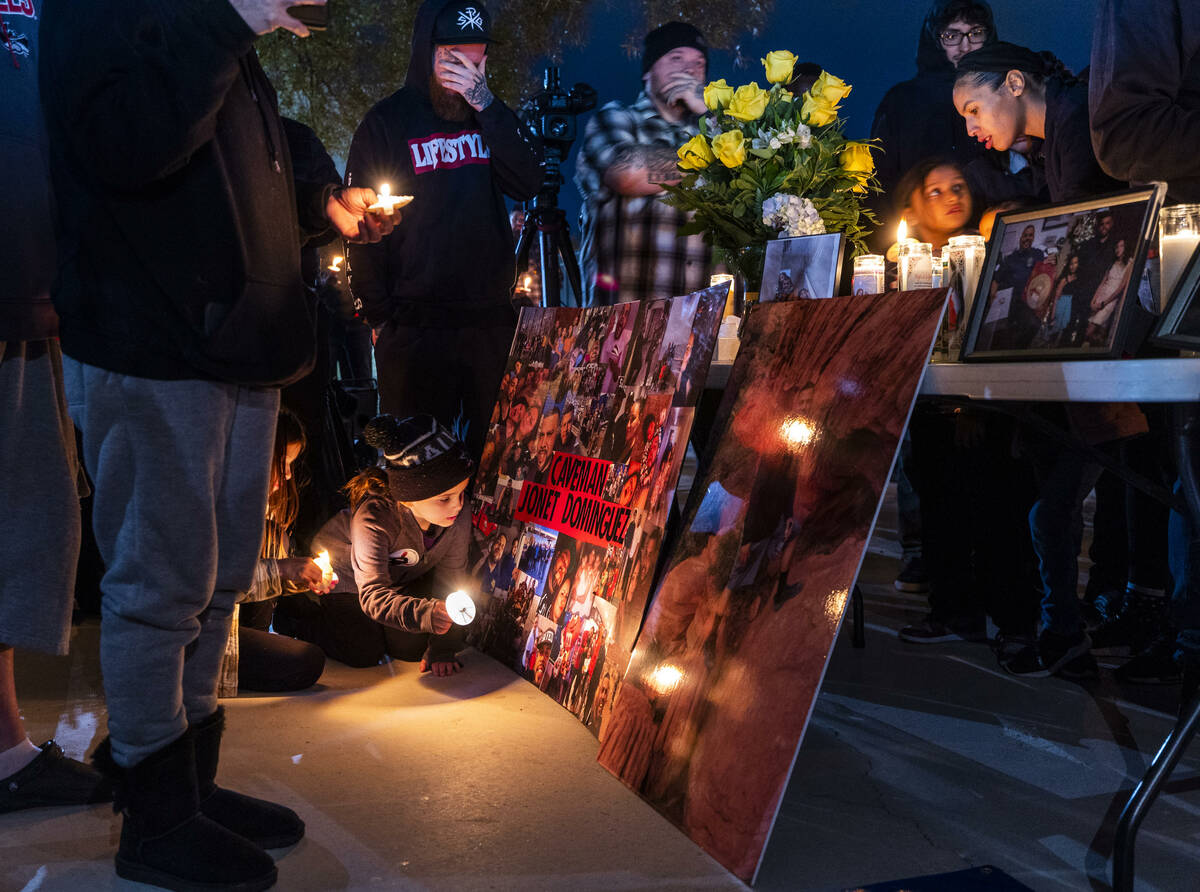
179,238
917,118
450,259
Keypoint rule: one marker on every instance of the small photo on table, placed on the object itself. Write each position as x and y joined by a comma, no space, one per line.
801,268
1061,282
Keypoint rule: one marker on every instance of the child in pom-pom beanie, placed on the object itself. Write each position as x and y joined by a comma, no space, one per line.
399,550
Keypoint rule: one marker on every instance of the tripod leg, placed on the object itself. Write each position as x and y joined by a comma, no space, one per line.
570,262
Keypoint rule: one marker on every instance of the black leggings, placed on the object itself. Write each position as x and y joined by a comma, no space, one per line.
269,662
337,625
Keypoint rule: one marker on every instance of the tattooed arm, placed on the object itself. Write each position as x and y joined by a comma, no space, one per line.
460,74
639,170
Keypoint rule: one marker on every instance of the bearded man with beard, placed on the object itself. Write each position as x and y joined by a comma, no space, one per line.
438,290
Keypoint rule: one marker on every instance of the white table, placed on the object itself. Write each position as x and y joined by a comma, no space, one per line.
1120,380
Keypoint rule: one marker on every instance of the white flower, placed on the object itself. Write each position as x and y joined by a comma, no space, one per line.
792,215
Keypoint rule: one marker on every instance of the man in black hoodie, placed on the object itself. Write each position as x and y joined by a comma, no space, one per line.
438,290
917,118
182,312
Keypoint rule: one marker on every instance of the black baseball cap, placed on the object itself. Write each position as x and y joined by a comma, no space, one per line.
463,21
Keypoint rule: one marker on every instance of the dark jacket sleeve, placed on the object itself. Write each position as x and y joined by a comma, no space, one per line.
373,529
886,128
1142,54
515,154
138,85
368,263
316,177
1072,171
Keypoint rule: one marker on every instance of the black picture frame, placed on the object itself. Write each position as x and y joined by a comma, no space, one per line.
824,252
1179,326
1032,321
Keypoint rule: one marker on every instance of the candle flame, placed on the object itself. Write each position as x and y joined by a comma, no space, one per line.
460,607
322,561
336,266
528,281
385,190
902,232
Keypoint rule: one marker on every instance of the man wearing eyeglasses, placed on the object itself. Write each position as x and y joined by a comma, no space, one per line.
917,119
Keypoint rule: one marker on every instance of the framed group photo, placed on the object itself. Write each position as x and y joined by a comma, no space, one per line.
1062,282
1179,327
801,268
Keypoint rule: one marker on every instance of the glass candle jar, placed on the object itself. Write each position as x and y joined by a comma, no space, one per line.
916,265
1178,238
868,274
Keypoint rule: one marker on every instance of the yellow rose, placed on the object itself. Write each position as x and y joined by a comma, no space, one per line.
856,158
730,148
829,88
717,95
779,65
695,154
817,112
748,103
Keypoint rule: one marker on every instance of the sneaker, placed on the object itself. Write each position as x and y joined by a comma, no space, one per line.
930,631
912,578
1050,654
1155,665
53,779
1140,622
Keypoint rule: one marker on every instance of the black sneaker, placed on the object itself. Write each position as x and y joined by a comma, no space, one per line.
930,631
1155,665
912,578
1141,621
53,779
1050,654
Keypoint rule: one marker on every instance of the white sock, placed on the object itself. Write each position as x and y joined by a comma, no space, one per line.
14,759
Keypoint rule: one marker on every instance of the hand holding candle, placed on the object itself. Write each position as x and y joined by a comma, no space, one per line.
327,575
353,213
460,607
386,203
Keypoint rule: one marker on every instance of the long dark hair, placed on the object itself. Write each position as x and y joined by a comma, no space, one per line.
283,502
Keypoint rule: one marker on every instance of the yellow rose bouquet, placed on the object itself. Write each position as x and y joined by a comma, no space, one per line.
769,165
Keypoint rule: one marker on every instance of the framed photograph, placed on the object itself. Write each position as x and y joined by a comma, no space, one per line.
1061,282
804,267
1179,327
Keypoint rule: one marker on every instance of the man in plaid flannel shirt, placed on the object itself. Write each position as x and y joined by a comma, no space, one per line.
631,248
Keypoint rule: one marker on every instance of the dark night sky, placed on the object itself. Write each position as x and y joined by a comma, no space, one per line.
869,43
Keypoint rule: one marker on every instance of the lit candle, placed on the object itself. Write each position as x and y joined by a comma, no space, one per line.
902,232
387,202
322,561
1174,253
336,266
460,607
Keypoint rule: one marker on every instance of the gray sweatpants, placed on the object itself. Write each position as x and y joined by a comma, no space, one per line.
181,470
39,499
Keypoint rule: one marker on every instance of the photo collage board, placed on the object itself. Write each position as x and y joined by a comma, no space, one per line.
576,479
709,717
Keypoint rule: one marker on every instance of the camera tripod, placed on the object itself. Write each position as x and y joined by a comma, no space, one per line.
552,114
547,222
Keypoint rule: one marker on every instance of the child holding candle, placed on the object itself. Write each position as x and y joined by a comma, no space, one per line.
399,550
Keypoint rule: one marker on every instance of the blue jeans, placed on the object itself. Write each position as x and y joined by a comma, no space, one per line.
1056,525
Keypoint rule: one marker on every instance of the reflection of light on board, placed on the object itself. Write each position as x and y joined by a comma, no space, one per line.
835,604
665,678
797,432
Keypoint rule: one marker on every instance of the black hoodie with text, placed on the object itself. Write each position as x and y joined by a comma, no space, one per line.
451,257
